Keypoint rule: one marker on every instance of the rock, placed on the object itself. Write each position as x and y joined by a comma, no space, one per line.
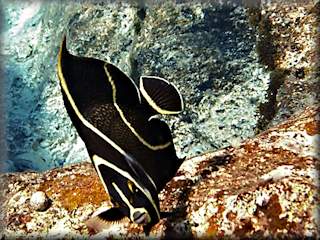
266,187
208,51
39,201
287,43
31,33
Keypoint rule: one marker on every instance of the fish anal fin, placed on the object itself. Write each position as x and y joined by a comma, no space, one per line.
105,220
161,95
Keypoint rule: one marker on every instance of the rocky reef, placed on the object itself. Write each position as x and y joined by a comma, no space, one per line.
266,187
249,74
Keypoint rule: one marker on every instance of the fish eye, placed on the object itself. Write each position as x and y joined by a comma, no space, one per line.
130,186
133,189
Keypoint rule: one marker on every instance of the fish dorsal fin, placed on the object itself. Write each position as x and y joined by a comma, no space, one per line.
124,90
63,46
161,95
83,80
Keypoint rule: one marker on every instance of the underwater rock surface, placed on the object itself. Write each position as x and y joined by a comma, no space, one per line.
289,46
38,132
268,186
207,50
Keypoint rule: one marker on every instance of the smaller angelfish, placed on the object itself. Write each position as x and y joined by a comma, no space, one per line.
131,150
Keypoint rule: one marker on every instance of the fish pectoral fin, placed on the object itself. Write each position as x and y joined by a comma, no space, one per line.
161,128
161,95
105,220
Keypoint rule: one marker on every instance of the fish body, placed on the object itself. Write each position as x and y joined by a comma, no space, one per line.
131,150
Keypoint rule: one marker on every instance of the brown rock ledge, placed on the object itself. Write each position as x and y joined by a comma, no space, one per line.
266,187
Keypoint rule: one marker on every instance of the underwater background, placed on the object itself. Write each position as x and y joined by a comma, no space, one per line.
209,50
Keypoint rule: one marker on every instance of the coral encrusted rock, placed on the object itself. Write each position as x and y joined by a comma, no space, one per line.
265,187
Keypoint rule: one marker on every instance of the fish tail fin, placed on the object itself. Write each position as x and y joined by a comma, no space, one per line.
161,95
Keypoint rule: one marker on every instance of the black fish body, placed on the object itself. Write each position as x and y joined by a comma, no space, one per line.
132,151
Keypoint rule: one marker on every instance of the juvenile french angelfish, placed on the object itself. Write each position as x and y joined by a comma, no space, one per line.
131,150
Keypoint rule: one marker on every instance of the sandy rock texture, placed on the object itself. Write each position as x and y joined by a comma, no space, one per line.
266,187
288,45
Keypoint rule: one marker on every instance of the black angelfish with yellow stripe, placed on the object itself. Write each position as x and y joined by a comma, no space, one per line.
132,151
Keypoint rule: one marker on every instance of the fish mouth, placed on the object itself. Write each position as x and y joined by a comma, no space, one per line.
140,217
